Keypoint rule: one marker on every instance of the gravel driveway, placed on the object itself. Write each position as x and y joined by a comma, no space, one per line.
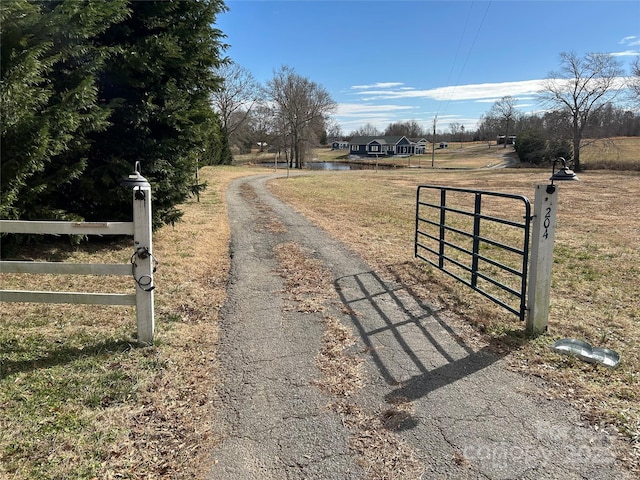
417,402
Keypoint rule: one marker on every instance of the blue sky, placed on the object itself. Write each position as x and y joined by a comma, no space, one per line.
390,61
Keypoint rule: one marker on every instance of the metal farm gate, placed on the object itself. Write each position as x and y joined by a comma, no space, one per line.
480,238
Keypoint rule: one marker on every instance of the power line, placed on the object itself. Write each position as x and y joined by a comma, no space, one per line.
475,39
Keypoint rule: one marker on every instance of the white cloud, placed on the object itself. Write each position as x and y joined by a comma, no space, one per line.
618,83
626,53
631,40
358,109
461,92
365,109
488,100
377,85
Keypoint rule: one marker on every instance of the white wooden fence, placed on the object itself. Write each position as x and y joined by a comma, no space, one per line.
142,264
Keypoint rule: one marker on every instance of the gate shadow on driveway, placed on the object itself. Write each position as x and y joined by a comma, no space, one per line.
411,344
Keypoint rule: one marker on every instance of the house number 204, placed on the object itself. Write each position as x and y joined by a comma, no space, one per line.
547,222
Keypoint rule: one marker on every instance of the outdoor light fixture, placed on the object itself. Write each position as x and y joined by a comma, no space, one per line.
136,180
563,174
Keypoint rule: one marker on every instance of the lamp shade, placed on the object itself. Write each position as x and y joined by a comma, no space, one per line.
564,173
135,179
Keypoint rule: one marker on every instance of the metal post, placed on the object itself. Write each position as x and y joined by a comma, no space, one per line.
443,230
476,240
433,143
143,263
542,238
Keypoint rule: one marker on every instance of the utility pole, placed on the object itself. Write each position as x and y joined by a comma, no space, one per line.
433,143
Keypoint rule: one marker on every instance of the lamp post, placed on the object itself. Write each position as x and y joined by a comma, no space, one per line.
543,235
142,259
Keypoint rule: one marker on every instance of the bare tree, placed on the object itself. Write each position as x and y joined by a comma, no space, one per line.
410,128
235,98
581,88
263,123
334,131
505,110
367,130
634,80
455,128
457,132
302,108
488,127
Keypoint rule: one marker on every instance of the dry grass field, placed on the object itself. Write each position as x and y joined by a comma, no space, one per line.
81,400
612,154
596,277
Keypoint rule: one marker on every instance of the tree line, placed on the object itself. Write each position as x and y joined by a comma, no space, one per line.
90,87
584,99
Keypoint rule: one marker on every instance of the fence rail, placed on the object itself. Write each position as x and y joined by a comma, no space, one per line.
66,228
66,268
142,264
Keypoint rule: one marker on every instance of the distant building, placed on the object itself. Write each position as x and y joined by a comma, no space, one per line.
387,146
420,145
500,139
444,145
340,145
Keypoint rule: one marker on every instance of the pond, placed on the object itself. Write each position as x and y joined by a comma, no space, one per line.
332,166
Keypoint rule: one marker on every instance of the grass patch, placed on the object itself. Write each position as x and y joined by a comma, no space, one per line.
596,278
620,153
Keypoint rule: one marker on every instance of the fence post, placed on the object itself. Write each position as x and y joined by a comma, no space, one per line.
143,260
542,239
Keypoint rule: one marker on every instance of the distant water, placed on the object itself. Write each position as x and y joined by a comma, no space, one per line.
331,166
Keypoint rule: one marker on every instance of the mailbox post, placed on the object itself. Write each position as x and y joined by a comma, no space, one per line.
542,240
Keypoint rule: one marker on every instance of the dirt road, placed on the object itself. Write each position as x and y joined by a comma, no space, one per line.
329,371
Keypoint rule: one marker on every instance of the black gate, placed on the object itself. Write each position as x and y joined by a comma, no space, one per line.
480,238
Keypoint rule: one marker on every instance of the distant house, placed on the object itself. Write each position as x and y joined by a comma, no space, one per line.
340,145
500,140
420,145
387,146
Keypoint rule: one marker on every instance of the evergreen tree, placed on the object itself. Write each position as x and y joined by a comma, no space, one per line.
560,147
160,81
531,147
90,87
49,98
